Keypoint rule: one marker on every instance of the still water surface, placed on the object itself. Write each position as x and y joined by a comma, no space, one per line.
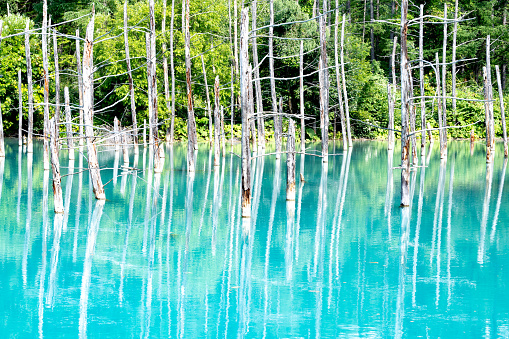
168,256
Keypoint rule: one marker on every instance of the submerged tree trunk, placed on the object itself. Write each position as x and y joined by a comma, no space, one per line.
192,143
88,84
421,77
454,35
80,87
245,84
502,109
68,120
152,85
489,141
165,65
57,80
207,97
406,107
324,91
443,145
131,84
290,162
45,81
301,94
30,89
55,165
272,76
172,70
278,128
390,100
258,88
490,93
217,122
338,78
20,111
441,124
345,94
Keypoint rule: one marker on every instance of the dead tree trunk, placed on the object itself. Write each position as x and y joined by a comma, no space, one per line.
55,165
502,109
258,88
57,80
158,151
125,150
209,110
45,80
390,100
345,94
149,91
88,108
245,83
217,122
443,147
2,145
272,76
421,77
130,79
490,93
324,91
116,140
490,154
30,89
144,133
454,35
192,139
20,111
68,120
172,70
278,128
165,65
301,94
441,124
405,108
338,79
290,162
80,87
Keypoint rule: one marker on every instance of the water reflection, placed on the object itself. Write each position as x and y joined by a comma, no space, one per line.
182,263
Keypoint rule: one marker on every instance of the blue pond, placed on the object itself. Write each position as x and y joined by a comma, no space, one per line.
168,255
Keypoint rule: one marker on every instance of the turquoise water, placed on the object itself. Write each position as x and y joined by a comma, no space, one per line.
168,256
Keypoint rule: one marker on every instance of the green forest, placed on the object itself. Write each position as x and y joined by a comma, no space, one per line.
370,28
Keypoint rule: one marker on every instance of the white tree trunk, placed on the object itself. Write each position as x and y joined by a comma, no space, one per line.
20,111
30,89
345,94
55,165
405,108
290,162
502,109
130,79
68,120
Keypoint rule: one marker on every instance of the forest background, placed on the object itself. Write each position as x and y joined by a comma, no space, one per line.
368,46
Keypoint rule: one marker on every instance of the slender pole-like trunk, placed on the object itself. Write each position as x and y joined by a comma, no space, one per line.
88,108
45,81
165,66
144,133
207,97
68,120
158,151
453,61
217,122
271,71
2,145
172,70
116,140
490,154
490,93
502,109
30,89
290,162
278,128
301,94
20,111
393,63
80,87
131,84
441,122
406,107
421,77
192,139
55,165
443,147
338,79
324,91
345,94
245,84
258,88
149,90
391,103
57,79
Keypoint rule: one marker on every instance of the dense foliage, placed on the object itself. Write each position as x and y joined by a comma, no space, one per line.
366,55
